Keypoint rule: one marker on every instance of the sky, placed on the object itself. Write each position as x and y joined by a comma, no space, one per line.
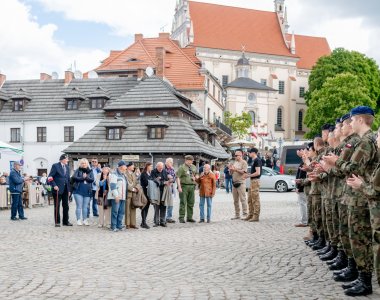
54,35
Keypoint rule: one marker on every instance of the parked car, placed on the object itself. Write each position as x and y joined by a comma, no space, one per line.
273,180
289,160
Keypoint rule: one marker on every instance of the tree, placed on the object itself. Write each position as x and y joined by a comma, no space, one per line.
337,96
239,124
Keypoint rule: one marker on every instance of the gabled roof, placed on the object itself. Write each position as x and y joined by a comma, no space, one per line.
247,83
180,69
99,92
156,121
115,122
309,49
226,27
75,93
21,94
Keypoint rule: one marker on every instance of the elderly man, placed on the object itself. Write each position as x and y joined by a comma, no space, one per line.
16,182
172,178
186,176
207,187
160,176
130,210
238,170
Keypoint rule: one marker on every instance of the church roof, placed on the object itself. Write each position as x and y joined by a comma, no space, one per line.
248,83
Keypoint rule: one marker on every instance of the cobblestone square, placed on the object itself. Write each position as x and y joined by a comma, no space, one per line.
222,260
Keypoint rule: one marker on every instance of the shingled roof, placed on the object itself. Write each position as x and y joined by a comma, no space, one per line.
135,140
3,96
48,97
248,83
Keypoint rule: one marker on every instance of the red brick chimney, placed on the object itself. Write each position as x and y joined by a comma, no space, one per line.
138,37
44,77
2,79
164,35
68,77
160,60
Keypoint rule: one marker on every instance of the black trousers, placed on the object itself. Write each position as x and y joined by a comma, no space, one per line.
159,214
144,213
64,197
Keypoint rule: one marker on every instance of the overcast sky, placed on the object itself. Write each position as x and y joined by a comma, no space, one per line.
49,35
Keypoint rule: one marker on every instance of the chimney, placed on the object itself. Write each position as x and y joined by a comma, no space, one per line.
2,79
68,77
160,61
44,77
138,37
140,73
164,35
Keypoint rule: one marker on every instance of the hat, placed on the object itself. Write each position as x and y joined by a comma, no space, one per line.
310,145
17,163
337,121
129,164
189,157
121,163
253,150
63,156
362,110
345,117
325,127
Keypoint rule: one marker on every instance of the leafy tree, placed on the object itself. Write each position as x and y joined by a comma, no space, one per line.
239,124
337,96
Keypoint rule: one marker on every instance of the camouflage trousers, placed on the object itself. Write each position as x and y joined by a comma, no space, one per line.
360,233
310,221
323,213
332,221
375,223
317,213
343,229
254,199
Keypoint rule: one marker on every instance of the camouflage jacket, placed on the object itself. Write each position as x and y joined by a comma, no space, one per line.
371,189
336,181
316,187
362,163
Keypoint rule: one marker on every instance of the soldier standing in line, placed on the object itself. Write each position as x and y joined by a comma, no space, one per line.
361,164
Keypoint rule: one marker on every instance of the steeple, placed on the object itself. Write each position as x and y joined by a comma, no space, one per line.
293,44
242,66
279,7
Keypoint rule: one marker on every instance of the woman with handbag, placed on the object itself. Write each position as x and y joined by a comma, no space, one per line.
144,180
83,178
102,184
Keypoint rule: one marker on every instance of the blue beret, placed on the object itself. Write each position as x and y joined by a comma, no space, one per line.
362,110
345,117
325,127
121,163
339,120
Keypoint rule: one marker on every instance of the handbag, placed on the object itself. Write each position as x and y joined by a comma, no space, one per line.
236,184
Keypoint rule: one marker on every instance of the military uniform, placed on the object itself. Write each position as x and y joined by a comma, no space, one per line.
186,197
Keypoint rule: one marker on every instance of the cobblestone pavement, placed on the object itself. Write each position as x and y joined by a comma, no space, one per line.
222,260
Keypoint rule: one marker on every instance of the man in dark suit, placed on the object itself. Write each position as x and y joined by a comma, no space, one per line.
59,179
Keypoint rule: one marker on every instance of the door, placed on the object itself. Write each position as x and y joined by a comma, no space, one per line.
41,171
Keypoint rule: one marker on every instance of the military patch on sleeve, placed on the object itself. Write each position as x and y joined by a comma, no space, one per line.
346,154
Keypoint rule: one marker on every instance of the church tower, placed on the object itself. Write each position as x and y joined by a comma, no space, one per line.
182,29
282,14
242,67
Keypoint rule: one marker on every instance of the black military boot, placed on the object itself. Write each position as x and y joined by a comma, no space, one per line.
363,287
340,262
338,272
313,240
320,244
351,284
349,274
324,250
329,255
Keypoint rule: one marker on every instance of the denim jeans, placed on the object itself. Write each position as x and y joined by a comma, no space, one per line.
82,206
94,205
228,184
17,206
117,214
169,214
202,205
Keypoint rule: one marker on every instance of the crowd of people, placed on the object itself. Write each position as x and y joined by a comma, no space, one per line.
339,186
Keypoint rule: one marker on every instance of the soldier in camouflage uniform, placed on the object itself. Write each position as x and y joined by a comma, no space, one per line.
371,189
359,224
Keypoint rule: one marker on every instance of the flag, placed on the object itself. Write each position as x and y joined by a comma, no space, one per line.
254,135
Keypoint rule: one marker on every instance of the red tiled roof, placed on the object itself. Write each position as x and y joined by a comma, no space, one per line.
226,27
309,49
180,69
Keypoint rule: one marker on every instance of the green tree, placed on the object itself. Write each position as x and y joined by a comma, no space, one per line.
335,98
239,124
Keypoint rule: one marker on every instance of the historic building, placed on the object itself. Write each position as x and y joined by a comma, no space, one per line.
274,58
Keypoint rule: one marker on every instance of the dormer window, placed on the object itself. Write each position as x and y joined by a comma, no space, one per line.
97,103
18,105
98,98
211,139
20,99
74,98
114,133
156,133
72,104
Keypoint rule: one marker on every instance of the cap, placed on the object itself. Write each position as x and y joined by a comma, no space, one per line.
325,127
362,110
63,156
189,157
345,117
129,164
17,163
121,163
253,150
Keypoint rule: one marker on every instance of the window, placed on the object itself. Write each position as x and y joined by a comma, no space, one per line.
211,139
15,135
224,80
214,117
208,114
71,104
156,132
263,81
213,90
97,103
219,95
302,92
281,87
253,117
165,113
141,114
279,117
251,98
69,133
18,105
113,134
300,120
41,134
208,84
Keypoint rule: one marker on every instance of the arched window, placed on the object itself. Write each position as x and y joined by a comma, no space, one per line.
279,117
300,120
253,117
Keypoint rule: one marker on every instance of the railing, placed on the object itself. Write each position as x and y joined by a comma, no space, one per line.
223,127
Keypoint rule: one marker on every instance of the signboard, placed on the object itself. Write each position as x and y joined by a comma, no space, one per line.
131,157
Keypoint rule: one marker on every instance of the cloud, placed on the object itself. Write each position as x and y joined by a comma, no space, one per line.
28,48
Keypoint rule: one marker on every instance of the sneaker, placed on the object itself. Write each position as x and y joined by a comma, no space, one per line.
24,218
79,223
100,225
14,219
85,222
201,221
170,221
115,230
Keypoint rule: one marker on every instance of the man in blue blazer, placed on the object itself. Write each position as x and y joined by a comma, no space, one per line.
16,184
59,179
